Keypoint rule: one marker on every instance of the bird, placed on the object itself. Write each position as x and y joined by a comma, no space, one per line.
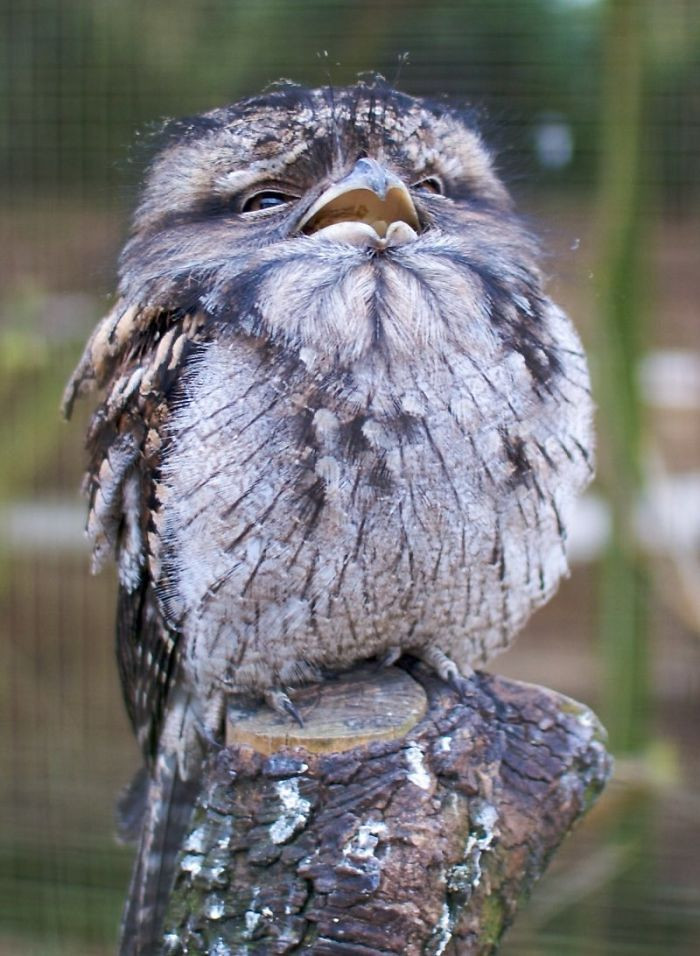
339,418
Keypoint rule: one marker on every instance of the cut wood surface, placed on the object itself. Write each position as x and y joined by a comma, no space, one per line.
422,838
364,705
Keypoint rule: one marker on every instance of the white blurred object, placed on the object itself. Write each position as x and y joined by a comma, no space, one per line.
589,528
667,520
554,141
670,378
668,515
48,526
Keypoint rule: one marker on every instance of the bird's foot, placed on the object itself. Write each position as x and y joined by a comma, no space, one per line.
459,680
389,657
279,701
209,739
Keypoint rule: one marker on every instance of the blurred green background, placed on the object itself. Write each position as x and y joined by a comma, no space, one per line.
594,109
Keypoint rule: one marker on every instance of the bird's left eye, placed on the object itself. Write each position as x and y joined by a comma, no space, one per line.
431,184
266,199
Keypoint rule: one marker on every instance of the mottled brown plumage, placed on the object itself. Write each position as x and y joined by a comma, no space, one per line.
341,419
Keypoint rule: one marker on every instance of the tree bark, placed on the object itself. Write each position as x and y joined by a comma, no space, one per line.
421,840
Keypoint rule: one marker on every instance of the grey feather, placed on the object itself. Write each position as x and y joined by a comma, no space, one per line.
168,810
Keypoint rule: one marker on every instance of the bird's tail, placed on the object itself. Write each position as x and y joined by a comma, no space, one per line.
169,801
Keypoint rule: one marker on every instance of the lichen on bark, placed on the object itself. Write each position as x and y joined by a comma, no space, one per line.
421,845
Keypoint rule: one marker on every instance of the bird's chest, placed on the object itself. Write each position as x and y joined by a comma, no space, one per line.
295,520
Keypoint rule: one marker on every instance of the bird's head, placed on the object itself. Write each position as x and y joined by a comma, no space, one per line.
337,223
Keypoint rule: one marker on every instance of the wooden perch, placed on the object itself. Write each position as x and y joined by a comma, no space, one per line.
399,820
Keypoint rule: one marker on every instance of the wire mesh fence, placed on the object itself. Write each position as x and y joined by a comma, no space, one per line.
84,86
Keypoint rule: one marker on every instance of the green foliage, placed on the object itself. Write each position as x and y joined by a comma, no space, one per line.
67,894
623,296
84,74
33,373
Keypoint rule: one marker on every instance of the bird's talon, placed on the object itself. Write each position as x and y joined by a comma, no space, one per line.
448,671
282,704
292,711
389,658
460,685
207,736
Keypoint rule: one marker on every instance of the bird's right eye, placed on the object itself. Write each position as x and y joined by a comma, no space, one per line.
432,184
266,199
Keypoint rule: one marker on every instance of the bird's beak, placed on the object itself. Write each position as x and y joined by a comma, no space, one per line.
369,205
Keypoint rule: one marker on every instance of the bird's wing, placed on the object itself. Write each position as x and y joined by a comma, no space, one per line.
146,657
134,358
168,803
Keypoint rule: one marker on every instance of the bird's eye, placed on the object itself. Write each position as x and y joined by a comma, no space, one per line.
431,184
266,199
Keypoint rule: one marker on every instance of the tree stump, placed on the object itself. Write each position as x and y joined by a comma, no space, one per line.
398,820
